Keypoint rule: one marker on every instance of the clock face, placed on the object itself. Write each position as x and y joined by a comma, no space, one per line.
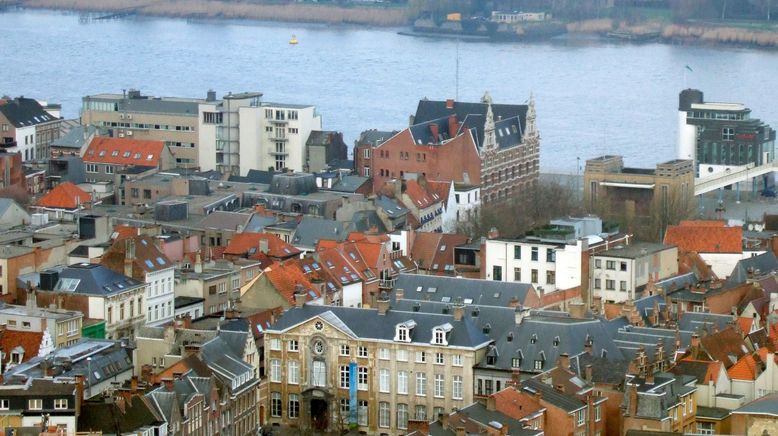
318,347
319,325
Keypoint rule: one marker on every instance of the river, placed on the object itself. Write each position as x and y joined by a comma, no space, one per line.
593,97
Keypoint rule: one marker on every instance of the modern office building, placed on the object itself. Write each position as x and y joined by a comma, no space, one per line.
718,136
130,114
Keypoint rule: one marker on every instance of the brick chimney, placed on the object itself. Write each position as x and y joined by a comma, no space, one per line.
399,294
588,373
459,310
564,361
434,132
382,303
129,256
450,103
134,384
577,310
453,126
300,296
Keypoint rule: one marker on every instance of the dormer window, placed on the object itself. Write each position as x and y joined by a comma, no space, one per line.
403,331
533,339
440,334
556,341
487,328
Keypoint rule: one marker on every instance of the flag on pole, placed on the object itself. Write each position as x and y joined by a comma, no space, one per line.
689,68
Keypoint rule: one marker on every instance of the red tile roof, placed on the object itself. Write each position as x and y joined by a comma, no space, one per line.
123,151
247,244
441,189
745,324
744,369
435,251
66,195
285,277
705,237
703,223
419,196
30,342
124,231
515,404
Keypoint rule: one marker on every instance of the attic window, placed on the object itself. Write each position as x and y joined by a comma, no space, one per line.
487,328
533,339
443,247
160,260
418,289
539,364
475,313
150,157
446,299
556,341
126,154
316,266
115,153
137,156
102,153
509,338
353,256
149,263
307,269
515,362
432,290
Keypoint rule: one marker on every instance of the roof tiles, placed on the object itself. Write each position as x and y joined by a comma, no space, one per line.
705,237
66,195
123,151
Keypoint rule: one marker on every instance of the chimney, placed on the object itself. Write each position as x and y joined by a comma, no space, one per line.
588,373
516,378
198,266
459,310
649,377
633,400
192,350
461,431
434,132
560,388
589,346
399,294
564,361
382,303
300,296
695,340
520,313
577,310
453,126
79,388
186,321
134,384
450,103
263,245
168,382
491,403
129,256
443,420
211,95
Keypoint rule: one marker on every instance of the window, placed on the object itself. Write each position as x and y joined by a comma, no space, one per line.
623,266
439,385
440,337
623,286
456,360
402,355
275,344
534,254
539,364
728,133
275,404
457,387
517,252
402,416
534,276
421,413
497,273
293,372
597,413
597,284
550,255
294,406
294,345
550,277
383,353
362,378
402,382
402,334
383,414
515,362
384,380
36,404
91,168
580,417
439,359
421,357
345,350
610,284
597,263
421,384
4,404
705,428
275,371
109,169
344,377
610,264
319,373
516,274
362,352
362,409
61,403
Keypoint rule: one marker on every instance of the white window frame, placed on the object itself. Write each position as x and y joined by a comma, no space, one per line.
421,384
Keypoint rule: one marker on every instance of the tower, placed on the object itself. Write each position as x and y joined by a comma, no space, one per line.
531,133
490,136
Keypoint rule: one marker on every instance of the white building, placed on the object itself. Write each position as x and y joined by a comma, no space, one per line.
241,133
468,200
619,274
549,257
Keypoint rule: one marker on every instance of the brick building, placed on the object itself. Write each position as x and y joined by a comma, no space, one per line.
494,146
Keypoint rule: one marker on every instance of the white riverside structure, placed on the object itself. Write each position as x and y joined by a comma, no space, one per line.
734,176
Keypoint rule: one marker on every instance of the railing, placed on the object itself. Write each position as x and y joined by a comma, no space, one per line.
386,283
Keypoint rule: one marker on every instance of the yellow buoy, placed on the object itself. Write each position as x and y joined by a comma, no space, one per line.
293,41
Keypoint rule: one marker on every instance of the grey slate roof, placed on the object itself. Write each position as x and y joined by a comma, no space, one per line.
496,320
349,183
472,291
675,283
428,110
634,251
390,206
767,405
375,137
712,412
225,364
655,399
311,230
604,370
568,403
77,136
369,324
93,279
24,112
225,220
257,223
763,263
544,337
6,203
698,321
366,220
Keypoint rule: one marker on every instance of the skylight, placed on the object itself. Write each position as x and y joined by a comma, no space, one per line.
160,261
149,263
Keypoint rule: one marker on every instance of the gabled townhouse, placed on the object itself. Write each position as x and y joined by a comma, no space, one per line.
476,418
20,347
373,369
63,326
277,285
63,201
719,245
133,414
425,208
26,127
338,277
606,376
105,157
139,258
714,385
434,252
12,215
98,293
660,402
251,245
190,404
447,193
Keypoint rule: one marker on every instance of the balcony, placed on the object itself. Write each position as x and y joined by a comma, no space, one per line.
386,284
278,120
278,153
274,137
8,143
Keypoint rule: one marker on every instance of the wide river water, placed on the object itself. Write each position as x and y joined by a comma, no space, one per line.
593,97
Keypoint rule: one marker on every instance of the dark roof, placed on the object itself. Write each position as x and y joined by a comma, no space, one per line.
367,220
368,323
712,412
349,183
496,320
255,176
472,291
23,112
311,230
342,164
755,266
568,403
183,301
767,405
106,417
635,250
375,137
604,370
480,414
93,279
428,110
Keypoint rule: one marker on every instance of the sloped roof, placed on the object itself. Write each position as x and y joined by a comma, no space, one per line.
247,243
516,404
703,370
447,289
420,197
124,151
440,188
27,343
705,237
66,195
434,251
744,369
285,277
24,112
767,405
311,230
726,346
147,257
755,266
225,220
428,110
93,279
106,417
